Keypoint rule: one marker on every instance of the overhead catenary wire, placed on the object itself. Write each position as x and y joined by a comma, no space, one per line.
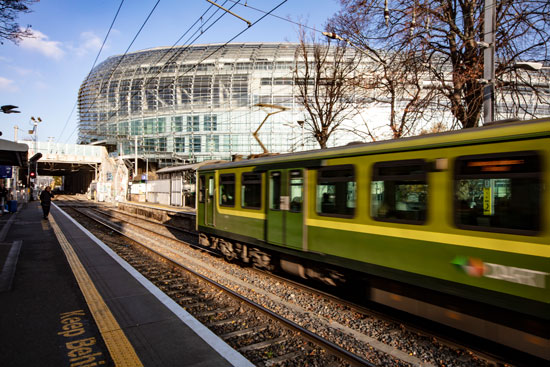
127,49
162,56
93,65
207,56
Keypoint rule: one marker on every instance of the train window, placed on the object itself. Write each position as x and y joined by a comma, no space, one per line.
499,192
251,190
275,191
336,190
227,189
296,191
399,191
202,188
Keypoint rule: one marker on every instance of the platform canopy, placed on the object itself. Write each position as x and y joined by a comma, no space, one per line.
13,154
187,167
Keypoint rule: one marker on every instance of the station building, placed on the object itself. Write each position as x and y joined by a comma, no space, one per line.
194,103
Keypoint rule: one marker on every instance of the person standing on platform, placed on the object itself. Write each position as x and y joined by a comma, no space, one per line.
46,200
3,197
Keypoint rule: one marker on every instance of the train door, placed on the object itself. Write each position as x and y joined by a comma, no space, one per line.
285,207
210,199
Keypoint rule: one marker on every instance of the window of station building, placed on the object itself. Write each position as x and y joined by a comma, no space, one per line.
161,125
179,144
296,191
149,126
196,146
227,189
213,143
162,145
123,128
184,85
275,191
499,192
193,123
251,190
399,191
136,127
177,124
149,145
336,191
210,122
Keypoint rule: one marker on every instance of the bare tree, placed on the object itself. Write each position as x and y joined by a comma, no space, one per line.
9,28
320,74
445,37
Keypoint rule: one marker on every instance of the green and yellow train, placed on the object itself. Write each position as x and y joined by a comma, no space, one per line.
454,227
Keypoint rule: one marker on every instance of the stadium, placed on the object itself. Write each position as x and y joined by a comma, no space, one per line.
194,103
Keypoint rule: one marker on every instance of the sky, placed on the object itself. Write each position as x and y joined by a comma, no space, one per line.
42,75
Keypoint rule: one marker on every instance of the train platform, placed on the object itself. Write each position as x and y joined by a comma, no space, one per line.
67,300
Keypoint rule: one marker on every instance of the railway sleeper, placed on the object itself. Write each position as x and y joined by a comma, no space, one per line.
264,344
248,331
217,311
231,320
280,359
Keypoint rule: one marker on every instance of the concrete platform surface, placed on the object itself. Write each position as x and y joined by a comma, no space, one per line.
73,302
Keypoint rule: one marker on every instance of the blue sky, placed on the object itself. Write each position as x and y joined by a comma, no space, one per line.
42,75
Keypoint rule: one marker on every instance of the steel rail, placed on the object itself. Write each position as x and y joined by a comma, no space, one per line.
353,359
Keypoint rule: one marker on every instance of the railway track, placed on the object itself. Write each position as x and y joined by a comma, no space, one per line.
379,347
262,336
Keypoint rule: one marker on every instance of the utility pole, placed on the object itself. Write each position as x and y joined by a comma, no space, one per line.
136,156
489,62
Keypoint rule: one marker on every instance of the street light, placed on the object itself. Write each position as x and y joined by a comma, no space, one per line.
35,132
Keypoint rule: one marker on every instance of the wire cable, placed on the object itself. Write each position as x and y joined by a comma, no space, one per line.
92,68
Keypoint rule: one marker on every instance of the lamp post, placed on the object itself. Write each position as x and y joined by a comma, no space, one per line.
35,132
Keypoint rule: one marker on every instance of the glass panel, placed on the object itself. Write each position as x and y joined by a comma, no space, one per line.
161,125
193,123
210,122
401,200
211,187
196,144
336,190
501,191
149,126
202,188
162,145
177,124
275,191
399,191
251,190
213,144
227,190
179,144
296,191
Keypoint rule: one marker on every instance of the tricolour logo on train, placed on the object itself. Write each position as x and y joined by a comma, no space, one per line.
475,267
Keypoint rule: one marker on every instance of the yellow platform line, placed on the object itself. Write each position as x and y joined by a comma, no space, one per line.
121,350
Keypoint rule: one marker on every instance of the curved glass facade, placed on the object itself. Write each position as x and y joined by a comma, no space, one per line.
193,102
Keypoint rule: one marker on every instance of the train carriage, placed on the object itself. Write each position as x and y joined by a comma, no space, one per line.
452,227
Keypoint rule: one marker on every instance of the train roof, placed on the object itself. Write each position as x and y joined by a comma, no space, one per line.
495,132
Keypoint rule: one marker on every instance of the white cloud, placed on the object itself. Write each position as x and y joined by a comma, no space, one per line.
23,71
89,42
7,85
40,42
